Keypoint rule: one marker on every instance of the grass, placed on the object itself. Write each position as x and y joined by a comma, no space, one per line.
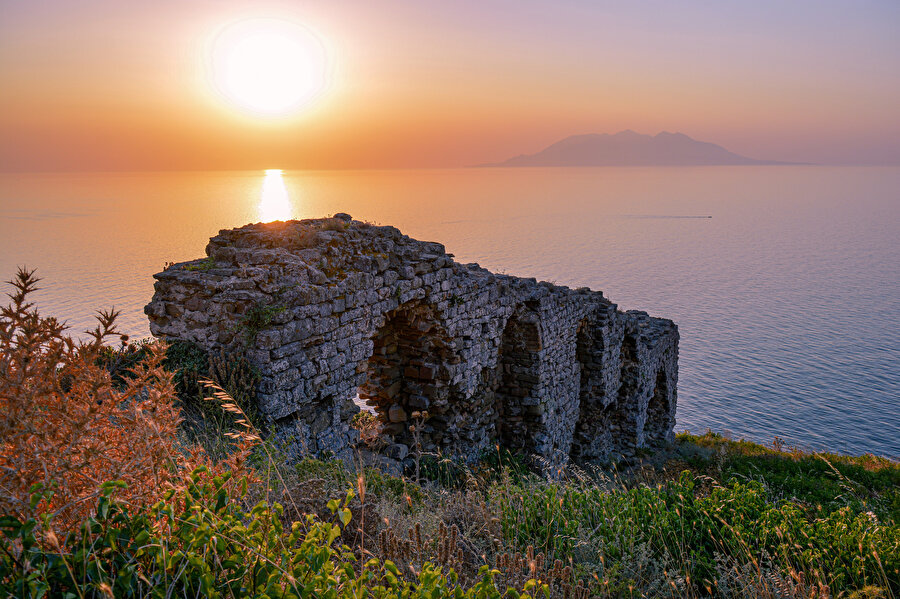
204,265
708,517
645,532
818,481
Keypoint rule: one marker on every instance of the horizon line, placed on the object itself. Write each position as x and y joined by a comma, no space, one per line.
482,166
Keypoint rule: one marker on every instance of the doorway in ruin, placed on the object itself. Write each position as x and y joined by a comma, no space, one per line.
589,350
623,419
656,425
408,376
592,438
518,419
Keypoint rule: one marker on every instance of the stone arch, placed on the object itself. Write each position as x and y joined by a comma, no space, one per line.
623,419
519,411
657,425
590,355
408,372
591,439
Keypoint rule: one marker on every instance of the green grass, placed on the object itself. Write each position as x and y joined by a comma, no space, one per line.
709,517
649,537
199,543
818,481
204,265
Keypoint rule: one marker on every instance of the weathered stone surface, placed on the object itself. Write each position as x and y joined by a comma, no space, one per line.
331,311
396,413
397,451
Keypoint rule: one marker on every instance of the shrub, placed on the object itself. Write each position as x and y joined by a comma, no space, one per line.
204,422
334,224
189,363
198,542
66,428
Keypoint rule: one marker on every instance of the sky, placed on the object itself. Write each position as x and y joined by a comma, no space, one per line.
113,85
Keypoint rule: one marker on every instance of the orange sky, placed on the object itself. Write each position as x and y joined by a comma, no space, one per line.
109,85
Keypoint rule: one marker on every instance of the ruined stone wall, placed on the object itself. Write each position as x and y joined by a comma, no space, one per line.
332,308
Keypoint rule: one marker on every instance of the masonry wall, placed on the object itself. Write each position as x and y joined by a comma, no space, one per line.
332,308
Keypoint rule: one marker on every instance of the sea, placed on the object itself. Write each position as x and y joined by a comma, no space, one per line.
784,280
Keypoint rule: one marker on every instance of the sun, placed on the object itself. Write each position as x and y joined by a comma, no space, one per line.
269,67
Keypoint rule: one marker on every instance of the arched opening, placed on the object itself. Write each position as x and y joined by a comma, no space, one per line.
656,426
584,355
407,375
623,425
591,439
519,410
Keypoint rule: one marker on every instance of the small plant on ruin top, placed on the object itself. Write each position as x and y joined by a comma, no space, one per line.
203,265
334,224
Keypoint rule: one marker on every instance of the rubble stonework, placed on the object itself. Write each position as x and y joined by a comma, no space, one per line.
332,308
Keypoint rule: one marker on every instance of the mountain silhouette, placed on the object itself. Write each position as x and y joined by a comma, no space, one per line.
628,148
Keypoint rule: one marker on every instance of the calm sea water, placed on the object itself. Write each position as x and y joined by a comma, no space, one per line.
788,297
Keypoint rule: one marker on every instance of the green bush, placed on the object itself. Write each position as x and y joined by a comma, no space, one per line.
677,526
191,365
199,542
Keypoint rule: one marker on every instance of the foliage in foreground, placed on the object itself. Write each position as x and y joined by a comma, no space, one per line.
575,539
65,426
199,543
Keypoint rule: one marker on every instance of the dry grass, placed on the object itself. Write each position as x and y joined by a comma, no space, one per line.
67,428
334,224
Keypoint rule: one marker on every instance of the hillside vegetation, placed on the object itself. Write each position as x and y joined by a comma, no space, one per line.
119,478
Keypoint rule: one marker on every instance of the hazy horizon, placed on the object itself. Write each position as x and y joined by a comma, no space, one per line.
400,167
99,85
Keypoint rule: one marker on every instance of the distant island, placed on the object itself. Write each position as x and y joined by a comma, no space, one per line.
628,148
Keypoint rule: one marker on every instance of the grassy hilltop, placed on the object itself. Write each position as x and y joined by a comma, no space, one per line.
118,478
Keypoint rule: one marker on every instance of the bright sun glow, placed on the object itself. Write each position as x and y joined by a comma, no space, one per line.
269,66
274,202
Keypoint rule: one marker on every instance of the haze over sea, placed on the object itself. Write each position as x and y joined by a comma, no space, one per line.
784,281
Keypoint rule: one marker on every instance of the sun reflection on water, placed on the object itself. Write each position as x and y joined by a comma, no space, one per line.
274,202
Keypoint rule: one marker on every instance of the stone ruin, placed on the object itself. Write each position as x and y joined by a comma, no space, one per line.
332,310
